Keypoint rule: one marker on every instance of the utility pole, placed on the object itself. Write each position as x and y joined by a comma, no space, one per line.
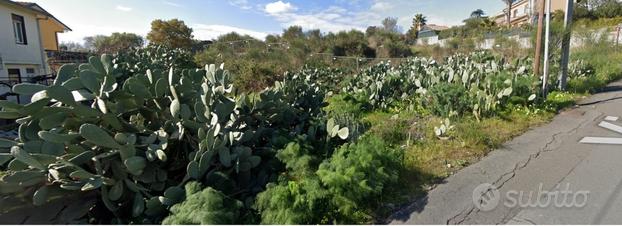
617,35
563,77
538,57
545,77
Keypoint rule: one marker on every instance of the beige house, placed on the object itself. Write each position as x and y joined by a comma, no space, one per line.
526,11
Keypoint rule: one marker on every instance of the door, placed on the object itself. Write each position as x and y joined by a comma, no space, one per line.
15,77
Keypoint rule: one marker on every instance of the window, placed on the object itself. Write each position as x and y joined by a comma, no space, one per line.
19,29
14,76
30,70
515,13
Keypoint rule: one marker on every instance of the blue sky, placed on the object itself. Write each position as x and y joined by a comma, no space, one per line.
211,18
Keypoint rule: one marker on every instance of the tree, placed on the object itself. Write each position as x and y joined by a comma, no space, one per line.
478,13
488,24
419,21
293,32
371,30
581,10
73,47
351,43
508,12
113,43
390,24
172,33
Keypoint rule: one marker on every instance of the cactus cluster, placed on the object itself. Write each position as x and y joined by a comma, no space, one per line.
136,140
384,86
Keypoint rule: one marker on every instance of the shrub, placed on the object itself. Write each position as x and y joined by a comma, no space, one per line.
208,206
343,190
608,9
356,176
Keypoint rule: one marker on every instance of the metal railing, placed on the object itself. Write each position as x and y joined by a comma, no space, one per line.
9,82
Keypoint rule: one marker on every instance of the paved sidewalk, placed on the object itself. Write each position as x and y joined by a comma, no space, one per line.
546,160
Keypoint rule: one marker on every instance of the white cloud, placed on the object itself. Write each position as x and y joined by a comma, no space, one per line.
335,18
279,7
331,19
243,4
123,8
382,6
172,4
208,32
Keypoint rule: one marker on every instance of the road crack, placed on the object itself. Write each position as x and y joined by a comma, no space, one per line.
506,177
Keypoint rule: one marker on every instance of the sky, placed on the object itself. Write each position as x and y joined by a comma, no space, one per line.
258,18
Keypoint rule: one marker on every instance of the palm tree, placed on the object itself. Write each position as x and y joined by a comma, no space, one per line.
508,13
478,13
419,21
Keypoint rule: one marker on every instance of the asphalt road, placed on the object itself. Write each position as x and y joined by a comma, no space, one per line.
545,176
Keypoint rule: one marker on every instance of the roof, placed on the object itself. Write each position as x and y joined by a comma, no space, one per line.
36,8
434,27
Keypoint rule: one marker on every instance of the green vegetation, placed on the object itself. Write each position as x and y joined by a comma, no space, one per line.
114,43
136,139
319,146
592,67
283,138
171,33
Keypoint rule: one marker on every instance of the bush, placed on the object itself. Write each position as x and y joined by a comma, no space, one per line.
343,190
204,207
608,9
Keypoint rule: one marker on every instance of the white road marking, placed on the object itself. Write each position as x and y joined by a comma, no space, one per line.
601,140
605,140
611,127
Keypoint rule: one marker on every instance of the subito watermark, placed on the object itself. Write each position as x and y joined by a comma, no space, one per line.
487,197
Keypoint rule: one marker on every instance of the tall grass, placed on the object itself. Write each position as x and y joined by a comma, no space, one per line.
606,59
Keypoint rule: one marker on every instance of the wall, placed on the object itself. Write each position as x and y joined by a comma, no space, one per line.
578,39
49,28
428,40
11,52
555,5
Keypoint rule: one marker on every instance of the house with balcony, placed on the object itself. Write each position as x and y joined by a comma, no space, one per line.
525,12
28,32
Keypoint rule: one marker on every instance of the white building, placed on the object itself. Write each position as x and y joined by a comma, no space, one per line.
27,32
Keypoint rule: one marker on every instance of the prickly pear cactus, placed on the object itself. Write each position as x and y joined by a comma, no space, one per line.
136,140
490,81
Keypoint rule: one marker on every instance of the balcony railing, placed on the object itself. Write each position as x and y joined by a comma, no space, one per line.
7,83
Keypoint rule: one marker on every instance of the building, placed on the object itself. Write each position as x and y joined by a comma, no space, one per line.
28,31
429,34
526,12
